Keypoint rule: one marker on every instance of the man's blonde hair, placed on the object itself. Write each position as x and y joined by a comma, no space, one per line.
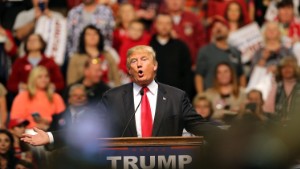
140,48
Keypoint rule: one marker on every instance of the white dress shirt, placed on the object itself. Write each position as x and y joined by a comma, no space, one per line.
152,97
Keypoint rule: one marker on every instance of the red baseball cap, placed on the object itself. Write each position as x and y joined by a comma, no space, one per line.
17,122
219,19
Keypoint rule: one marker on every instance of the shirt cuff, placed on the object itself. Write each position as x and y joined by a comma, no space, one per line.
51,138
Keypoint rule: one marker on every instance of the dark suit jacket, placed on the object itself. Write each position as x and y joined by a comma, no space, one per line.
61,121
174,112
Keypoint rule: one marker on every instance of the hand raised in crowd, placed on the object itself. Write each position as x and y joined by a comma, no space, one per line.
41,138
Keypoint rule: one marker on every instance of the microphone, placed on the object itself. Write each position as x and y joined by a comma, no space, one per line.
127,125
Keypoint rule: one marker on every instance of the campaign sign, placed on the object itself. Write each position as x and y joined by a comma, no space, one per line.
247,39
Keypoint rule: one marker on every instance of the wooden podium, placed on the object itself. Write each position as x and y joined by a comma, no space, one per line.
154,152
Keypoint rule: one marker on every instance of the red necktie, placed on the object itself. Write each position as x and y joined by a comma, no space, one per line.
146,117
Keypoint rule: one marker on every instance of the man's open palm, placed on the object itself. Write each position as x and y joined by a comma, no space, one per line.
41,138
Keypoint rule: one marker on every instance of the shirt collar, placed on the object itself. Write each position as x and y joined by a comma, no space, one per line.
153,87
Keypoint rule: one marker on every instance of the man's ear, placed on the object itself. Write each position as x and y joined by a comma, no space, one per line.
155,66
129,72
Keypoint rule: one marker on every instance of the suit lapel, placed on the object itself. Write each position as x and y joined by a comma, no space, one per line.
160,109
129,109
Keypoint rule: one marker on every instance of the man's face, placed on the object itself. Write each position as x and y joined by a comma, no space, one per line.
175,5
88,2
135,31
18,131
220,31
287,72
255,97
77,97
163,25
142,68
94,72
202,107
286,14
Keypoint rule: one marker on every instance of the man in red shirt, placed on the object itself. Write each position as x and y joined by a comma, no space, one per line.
186,27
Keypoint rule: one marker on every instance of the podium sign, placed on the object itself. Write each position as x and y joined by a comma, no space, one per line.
156,152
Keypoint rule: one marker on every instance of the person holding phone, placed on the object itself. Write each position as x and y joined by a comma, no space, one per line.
26,20
226,95
39,102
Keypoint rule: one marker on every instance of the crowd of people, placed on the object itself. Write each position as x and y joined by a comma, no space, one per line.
59,56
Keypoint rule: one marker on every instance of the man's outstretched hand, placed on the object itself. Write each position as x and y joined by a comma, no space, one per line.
41,138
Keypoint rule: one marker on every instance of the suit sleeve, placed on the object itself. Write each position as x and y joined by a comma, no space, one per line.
194,123
59,140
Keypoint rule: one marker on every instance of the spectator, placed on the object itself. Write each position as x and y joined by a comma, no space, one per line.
92,76
283,99
254,105
273,50
203,106
77,104
3,109
126,15
146,10
136,36
226,94
25,22
8,160
91,45
186,27
34,48
235,16
17,128
21,164
172,55
39,102
218,8
214,53
89,12
8,48
288,22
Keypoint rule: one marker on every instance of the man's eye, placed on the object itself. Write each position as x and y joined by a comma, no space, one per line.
133,61
143,59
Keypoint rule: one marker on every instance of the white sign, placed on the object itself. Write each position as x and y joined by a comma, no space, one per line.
261,79
247,39
54,32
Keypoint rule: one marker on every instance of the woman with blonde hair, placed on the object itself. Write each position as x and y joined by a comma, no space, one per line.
39,102
284,97
272,51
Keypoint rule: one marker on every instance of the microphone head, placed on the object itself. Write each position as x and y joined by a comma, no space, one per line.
142,92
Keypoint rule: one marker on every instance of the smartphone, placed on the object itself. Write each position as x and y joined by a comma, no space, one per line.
36,116
251,107
42,5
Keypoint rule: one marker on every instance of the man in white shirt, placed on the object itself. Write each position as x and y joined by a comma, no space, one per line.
159,109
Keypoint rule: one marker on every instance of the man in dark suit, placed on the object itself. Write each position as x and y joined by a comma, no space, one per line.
145,107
